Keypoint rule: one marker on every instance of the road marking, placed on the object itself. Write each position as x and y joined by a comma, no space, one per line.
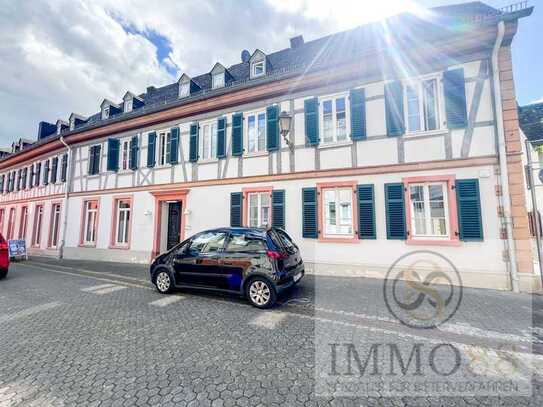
268,320
97,287
172,299
109,290
29,311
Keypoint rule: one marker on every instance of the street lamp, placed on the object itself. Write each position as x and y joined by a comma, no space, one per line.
285,121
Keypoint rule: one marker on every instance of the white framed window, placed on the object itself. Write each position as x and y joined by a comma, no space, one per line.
217,80
259,204
122,226
429,210
164,140
90,227
256,132
125,154
258,68
334,118
55,226
338,212
184,89
209,140
105,112
38,220
128,105
422,105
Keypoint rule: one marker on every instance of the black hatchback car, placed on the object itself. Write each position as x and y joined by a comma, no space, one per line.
256,263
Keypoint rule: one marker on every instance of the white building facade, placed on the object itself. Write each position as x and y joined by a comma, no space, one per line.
391,149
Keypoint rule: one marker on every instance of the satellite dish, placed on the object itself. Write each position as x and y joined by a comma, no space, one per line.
245,56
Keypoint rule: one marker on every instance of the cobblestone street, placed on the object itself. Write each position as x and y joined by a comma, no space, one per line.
81,334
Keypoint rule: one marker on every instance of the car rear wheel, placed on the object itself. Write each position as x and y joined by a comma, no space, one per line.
3,273
164,282
261,293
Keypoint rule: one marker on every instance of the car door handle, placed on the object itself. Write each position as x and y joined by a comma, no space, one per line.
228,263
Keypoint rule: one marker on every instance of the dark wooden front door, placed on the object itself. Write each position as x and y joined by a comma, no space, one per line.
174,223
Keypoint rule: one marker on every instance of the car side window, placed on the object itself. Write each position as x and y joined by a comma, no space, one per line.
245,243
207,242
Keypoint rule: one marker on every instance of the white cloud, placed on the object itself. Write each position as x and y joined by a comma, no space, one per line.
63,56
540,100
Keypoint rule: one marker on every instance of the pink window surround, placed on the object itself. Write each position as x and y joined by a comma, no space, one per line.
37,223
453,239
23,222
11,223
50,243
116,200
321,186
2,215
246,192
84,219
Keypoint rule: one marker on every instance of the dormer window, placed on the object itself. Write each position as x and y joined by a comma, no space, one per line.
128,105
258,68
105,113
217,80
184,89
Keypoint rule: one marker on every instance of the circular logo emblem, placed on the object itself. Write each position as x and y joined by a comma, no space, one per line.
422,289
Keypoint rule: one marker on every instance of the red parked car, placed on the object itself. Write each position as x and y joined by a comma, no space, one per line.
4,257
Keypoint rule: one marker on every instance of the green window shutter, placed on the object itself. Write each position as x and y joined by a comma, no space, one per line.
113,154
454,86
394,109
133,156
310,227
25,173
54,171
272,128
37,175
151,149
221,137
174,146
358,114
45,173
31,178
64,170
395,211
278,208
311,113
237,134
366,212
2,178
236,201
468,201
193,143
18,183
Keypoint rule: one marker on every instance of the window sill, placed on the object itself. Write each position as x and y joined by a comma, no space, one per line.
432,242
346,143
117,247
87,245
415,134
342,239
208,161
255,154
93,175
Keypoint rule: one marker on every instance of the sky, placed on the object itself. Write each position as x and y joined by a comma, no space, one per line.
64,56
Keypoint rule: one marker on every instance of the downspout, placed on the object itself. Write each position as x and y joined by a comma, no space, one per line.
502,156
66,196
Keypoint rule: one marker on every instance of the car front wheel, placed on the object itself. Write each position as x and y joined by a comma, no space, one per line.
3,273
261,293
164,282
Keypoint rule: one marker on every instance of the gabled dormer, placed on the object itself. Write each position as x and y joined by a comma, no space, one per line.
62,126
187,86
46,129
259,64
109,109
131,102
220,76
76,120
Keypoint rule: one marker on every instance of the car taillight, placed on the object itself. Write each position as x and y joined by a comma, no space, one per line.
275,255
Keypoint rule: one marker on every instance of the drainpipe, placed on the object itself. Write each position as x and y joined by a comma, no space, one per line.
502,156
66,196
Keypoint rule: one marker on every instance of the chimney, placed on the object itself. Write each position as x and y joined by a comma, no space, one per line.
296,42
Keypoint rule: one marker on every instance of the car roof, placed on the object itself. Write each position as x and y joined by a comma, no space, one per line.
255,231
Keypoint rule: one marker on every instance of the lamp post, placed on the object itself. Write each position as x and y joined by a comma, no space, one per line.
285,121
